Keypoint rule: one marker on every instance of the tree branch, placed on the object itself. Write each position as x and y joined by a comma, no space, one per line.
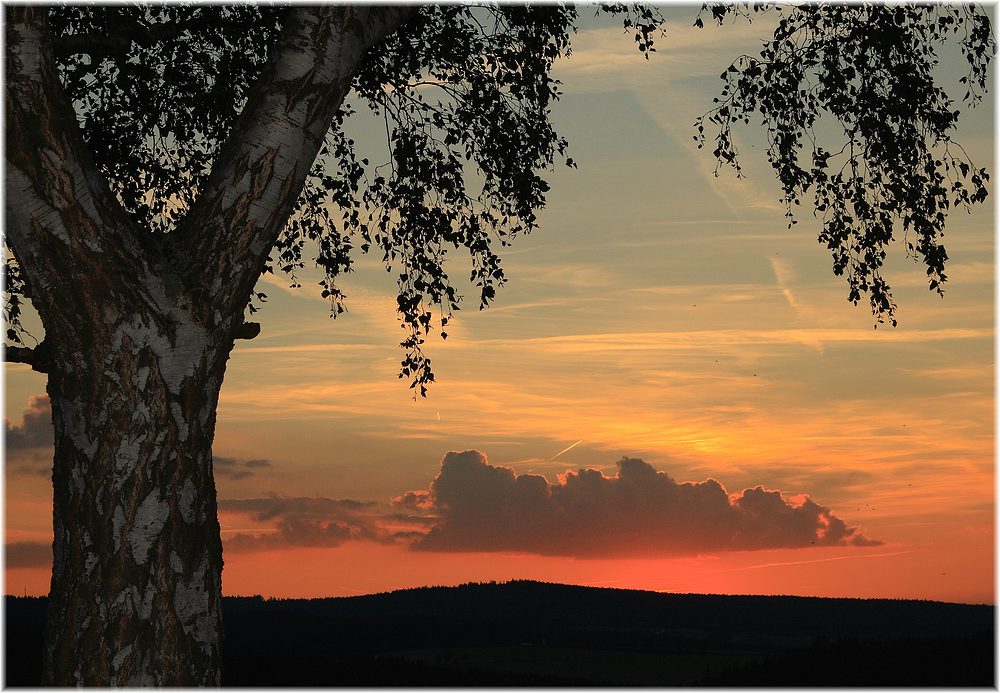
60,211
39,358
248,330
122,33
261,168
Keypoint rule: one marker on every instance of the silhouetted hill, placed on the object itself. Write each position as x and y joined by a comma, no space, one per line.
530,633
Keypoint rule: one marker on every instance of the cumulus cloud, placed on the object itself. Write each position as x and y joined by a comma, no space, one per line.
36,428
303,522
27,554
638,512
472,505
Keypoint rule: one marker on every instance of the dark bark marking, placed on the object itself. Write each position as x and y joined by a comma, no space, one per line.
262,173
297,89
284,198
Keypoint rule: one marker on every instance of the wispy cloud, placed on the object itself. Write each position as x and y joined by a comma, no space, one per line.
607,55
236,470
300,521
784,275
639,341
27,554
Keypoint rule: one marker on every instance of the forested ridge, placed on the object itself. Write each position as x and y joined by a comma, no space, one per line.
531,633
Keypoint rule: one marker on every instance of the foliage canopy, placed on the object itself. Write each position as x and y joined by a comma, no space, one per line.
846,93
848,97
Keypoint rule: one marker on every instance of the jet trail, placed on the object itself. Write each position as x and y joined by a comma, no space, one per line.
566,450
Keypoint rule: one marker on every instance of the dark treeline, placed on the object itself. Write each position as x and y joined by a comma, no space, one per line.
529,633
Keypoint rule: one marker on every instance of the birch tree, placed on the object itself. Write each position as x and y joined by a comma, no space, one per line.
160,159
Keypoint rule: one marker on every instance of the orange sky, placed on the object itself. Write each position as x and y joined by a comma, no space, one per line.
659,313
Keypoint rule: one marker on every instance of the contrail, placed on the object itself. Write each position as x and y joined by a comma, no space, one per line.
566,450
820,560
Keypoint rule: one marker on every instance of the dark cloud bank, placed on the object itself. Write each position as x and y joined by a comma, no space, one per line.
638,512
474,506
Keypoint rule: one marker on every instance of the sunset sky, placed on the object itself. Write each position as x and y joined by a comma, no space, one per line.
661,315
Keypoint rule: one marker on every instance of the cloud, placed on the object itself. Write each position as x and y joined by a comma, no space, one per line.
35,429
235,469
293,532
604,57
303,522
472,505
31,462
784,275
638,512
416,500
27,554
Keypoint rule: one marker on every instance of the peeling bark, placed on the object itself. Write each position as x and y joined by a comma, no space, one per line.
138,331
136,585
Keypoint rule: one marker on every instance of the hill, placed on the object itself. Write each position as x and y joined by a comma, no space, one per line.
530,633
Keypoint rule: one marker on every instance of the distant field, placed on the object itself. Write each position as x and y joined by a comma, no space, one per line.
535,634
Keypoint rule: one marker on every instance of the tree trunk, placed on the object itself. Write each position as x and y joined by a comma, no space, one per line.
137,558
137,332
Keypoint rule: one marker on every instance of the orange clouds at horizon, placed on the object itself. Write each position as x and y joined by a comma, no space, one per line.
314,546
473,505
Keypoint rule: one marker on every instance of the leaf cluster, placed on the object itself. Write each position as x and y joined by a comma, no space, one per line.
465,95
863,77
14,292
156,89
